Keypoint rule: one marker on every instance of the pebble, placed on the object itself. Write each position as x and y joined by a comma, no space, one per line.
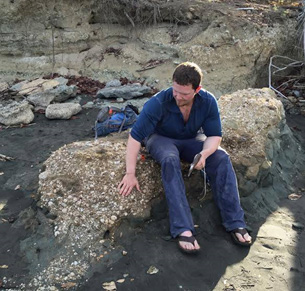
152,270
298,225
89,104
119,100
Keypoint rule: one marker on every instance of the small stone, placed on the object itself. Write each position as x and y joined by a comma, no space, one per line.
124,253
152,270
121,280
68,285
296,93
297,226
294,196
89,104
113,218
109,285
119,100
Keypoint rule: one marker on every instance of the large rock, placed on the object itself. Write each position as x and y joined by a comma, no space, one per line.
41,100
34,86
64,92
62,110
13,113
80,183
126,92
52,93
253,121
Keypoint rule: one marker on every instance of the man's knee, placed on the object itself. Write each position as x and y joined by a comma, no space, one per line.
170,167
218,157
170,159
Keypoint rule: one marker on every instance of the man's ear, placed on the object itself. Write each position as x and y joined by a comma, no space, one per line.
198,89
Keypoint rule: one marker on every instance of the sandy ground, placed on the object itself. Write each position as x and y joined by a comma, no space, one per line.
276,261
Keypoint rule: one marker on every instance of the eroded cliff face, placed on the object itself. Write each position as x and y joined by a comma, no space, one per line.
143,40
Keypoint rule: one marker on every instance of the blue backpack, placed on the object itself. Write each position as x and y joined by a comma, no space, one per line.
113,119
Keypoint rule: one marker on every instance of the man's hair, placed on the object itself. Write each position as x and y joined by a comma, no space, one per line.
188,73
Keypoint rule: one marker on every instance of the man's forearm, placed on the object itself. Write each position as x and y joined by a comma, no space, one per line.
210,145
133,148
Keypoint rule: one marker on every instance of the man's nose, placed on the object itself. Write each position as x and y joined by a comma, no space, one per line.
179,96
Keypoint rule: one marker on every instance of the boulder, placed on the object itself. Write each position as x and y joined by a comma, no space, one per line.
63,92
62,110
60,93
35,86
41,100
13,113
79,186
127,91
252,122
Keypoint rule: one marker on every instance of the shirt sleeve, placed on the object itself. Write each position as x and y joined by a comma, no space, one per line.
212,124
148,119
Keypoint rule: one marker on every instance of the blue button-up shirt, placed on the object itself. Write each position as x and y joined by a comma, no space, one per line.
161,115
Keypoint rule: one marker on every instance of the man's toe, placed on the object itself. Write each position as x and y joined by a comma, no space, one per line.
241,236
188,244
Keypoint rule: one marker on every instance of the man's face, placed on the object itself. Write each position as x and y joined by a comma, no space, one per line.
183,94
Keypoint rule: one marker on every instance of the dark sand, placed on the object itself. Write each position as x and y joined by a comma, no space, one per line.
144,241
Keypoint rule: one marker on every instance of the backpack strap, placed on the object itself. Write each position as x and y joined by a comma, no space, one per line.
123,122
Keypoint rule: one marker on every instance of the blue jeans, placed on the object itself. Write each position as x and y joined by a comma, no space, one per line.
168,152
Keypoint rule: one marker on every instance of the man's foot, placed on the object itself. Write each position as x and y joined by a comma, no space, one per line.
187,242
241,237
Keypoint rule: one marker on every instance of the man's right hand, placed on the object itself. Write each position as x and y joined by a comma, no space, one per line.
128,182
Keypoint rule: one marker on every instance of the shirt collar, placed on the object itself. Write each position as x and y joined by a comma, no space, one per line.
172,105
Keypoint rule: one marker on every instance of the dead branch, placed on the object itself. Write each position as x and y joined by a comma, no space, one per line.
293,64
145,69
129,18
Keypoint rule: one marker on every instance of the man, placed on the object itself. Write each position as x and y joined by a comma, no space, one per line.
169,123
